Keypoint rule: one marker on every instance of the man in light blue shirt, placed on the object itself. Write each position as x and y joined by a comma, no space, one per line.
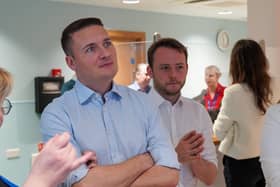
115,122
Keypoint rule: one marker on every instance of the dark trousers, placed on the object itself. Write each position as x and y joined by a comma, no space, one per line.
243,173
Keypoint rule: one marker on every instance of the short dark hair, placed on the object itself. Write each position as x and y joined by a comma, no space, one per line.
168,43
66,37
249,65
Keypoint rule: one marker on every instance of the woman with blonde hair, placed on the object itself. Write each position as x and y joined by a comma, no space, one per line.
240,121
55,161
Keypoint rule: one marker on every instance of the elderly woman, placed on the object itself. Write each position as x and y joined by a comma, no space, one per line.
212,96
55,161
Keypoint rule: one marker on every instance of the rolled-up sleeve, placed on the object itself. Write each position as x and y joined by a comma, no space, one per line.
55,121
75,176
159,143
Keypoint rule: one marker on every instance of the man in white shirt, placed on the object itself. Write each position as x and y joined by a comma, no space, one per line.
187,121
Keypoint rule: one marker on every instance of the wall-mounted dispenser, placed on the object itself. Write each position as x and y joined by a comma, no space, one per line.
46,89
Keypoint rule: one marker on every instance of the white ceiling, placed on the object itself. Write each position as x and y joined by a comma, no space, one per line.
205,8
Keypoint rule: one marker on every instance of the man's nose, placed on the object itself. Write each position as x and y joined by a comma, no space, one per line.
172,73
104,52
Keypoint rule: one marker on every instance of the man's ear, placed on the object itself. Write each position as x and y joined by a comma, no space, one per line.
70,62
149,71
187,66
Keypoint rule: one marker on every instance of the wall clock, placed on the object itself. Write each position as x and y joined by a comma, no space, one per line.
223,40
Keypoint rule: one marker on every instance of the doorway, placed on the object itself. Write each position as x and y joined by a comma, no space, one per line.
131,50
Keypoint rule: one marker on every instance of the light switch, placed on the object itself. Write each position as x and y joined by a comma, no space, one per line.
12,153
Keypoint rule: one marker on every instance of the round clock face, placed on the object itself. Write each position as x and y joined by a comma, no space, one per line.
223,40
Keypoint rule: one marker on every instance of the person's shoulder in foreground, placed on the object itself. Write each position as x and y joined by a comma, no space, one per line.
270,154
58,155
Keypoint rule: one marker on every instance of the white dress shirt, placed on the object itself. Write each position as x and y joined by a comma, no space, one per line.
270,151
182,117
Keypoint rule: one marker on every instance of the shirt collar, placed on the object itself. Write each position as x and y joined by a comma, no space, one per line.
220,88
159,100
85,94
179,101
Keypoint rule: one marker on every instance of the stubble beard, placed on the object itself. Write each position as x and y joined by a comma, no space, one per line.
166,92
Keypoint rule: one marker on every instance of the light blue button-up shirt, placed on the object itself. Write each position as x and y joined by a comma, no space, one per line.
122,125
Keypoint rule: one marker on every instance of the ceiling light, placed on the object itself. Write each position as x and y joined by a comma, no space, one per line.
225,12
130,1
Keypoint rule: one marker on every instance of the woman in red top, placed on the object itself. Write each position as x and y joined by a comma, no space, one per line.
211,97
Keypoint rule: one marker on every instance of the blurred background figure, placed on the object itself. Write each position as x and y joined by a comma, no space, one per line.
142,80
212,96
68,85
270,153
